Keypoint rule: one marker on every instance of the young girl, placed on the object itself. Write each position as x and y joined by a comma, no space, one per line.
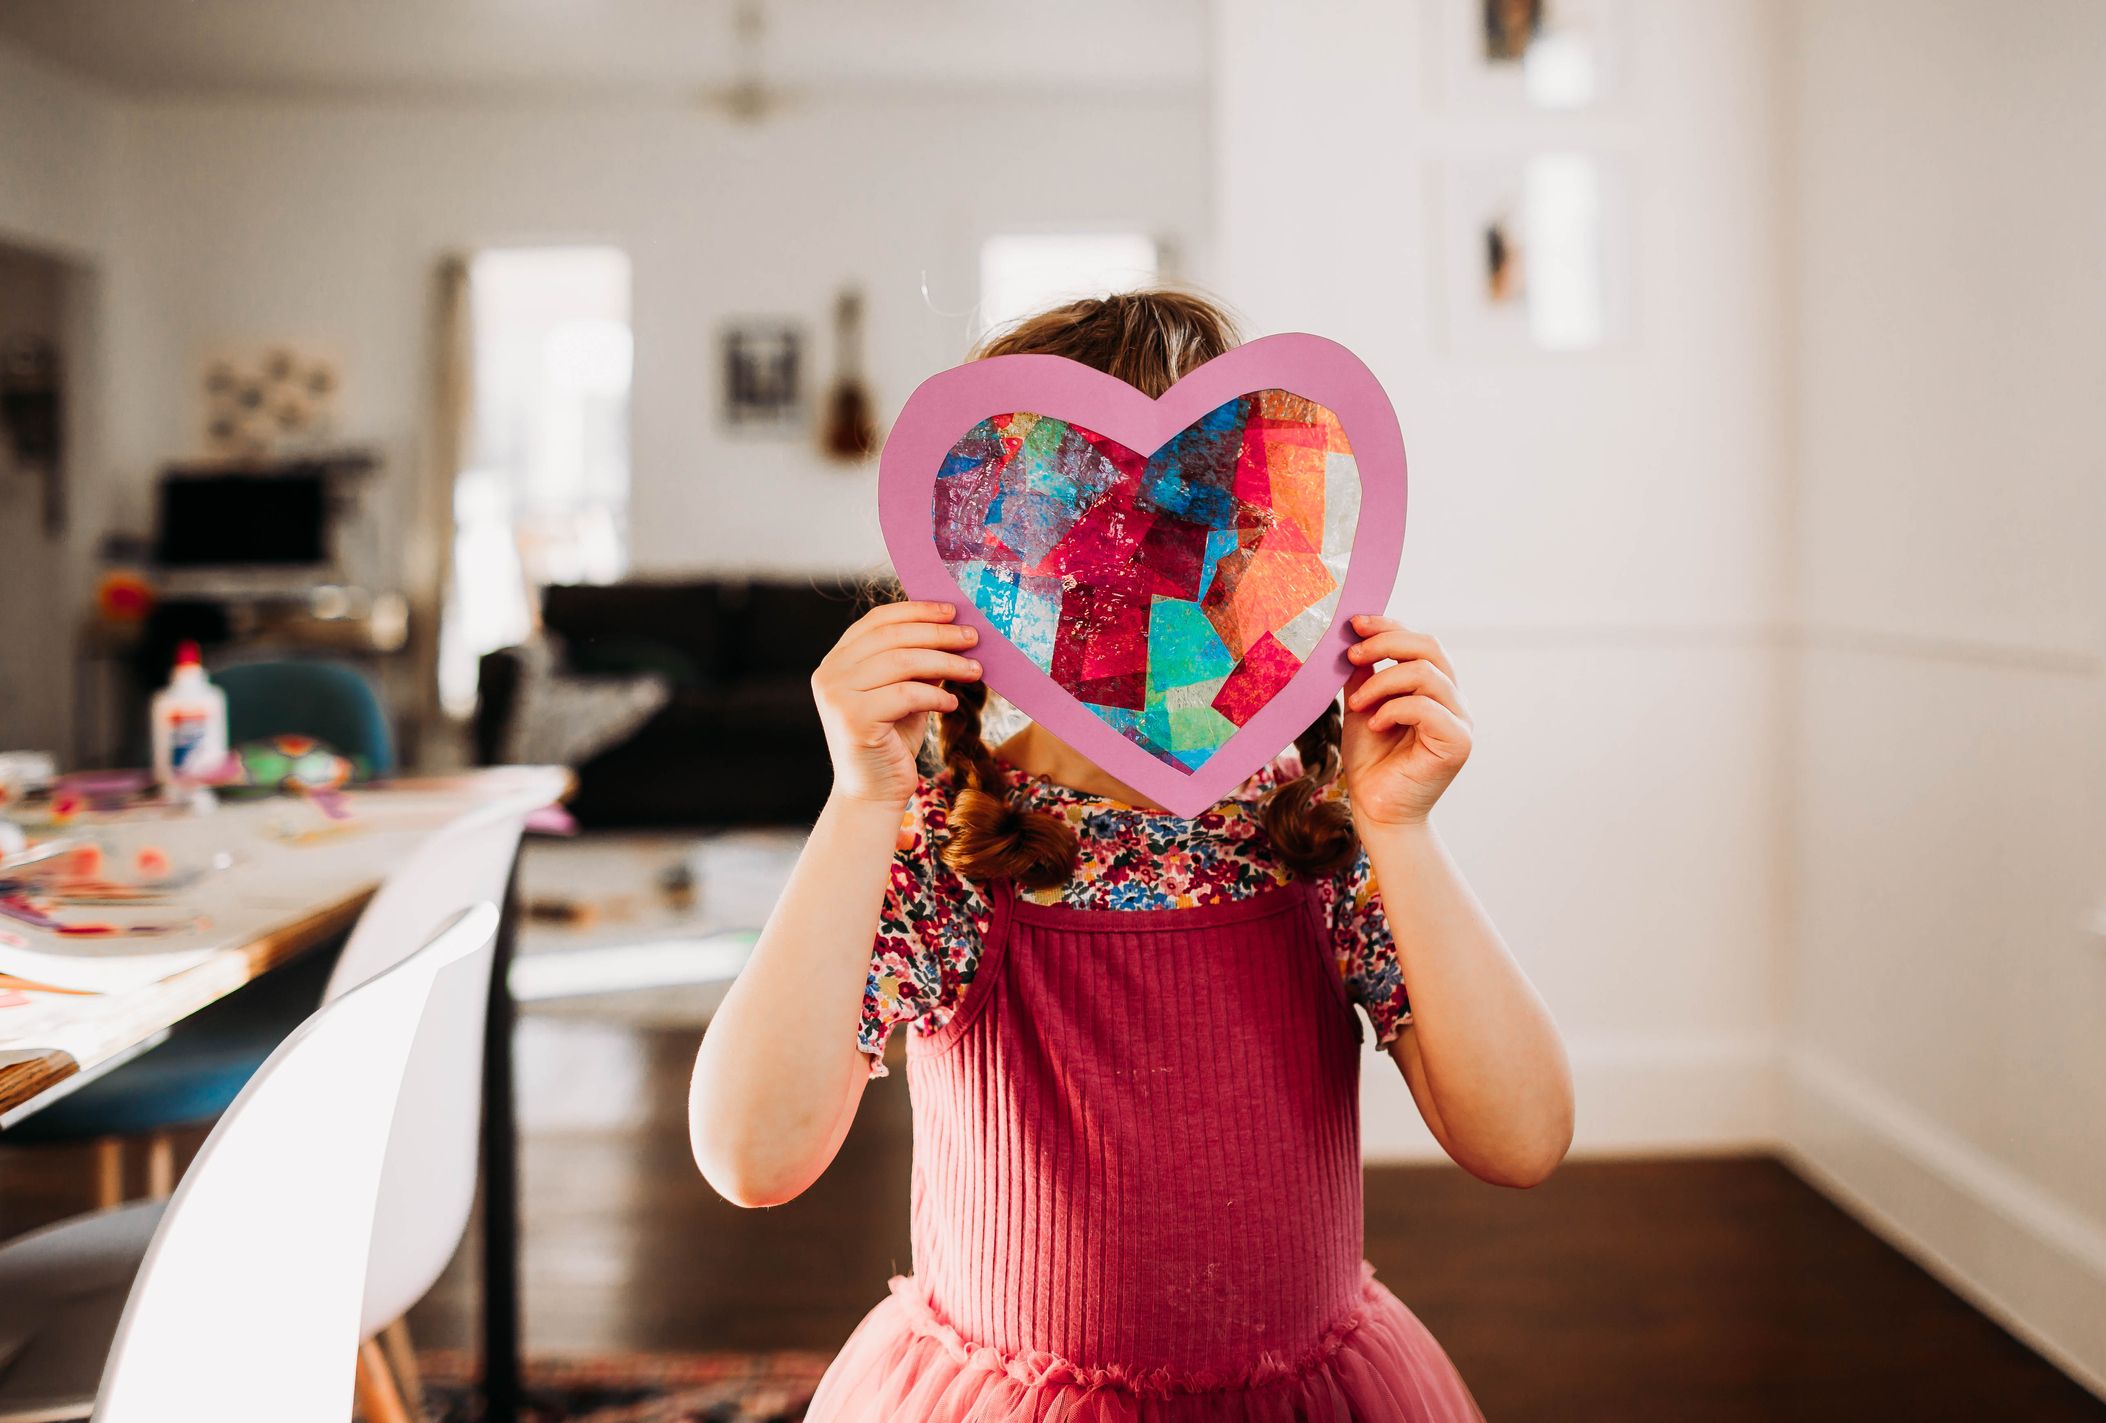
1134,1069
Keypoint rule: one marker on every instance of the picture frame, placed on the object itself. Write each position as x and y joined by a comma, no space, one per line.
763,378
1531,55
1533,253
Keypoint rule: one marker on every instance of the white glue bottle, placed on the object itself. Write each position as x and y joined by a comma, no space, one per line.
190,724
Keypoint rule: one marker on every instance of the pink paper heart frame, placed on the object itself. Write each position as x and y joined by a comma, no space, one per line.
946,406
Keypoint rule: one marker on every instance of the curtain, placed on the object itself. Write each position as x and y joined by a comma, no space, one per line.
428,548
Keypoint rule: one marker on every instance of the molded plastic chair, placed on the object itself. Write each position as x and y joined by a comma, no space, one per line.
241,1298
428,1189
326,700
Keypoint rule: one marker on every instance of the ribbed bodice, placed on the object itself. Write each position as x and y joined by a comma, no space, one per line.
1137,1141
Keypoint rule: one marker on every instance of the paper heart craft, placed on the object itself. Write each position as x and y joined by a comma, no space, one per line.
1162,584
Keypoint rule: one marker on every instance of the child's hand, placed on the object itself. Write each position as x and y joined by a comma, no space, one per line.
1407,731
875,691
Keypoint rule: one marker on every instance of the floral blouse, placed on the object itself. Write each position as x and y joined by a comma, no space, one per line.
932,926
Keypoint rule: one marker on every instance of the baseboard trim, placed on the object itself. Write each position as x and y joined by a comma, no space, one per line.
2022,1257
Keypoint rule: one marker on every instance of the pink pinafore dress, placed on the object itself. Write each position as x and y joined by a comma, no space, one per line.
1137,1189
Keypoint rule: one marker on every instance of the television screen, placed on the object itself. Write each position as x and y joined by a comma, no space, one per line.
221,520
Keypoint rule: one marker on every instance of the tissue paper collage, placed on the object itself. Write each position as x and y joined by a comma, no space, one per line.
1172,595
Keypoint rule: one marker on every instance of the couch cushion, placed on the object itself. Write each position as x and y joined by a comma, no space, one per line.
600,620
785,628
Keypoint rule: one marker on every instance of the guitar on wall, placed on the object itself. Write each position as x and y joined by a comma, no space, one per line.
849,429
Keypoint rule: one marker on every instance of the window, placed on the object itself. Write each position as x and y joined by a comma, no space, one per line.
1025,272
545,496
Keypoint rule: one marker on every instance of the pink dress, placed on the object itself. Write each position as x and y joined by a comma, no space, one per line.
1137,1190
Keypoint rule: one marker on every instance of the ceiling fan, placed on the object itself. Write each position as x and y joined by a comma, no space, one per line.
747,97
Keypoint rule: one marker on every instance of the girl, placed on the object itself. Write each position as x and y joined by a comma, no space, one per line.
1133,1067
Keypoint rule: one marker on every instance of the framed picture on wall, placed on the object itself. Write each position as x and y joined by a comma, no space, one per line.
763,380
1534,253
1530,54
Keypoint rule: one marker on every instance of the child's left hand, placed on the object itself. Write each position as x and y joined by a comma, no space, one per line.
1407,730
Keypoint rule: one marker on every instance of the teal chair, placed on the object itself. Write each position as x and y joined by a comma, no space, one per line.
326,700
210,1057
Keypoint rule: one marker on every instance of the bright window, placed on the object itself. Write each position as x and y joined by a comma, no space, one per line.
1025,272
545,496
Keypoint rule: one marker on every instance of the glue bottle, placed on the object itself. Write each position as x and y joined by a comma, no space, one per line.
189,724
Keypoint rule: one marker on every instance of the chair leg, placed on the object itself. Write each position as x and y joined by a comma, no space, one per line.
402,1354
160,1166
109,1172
378,1399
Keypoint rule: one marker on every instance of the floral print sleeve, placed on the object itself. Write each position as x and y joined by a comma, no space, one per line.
929,932
1366,950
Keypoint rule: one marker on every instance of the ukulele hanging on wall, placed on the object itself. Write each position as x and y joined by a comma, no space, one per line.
849,429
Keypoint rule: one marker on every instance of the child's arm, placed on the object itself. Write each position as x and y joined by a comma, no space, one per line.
1482,1057
779,1075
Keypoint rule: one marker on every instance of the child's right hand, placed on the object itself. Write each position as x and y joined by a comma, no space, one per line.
876,689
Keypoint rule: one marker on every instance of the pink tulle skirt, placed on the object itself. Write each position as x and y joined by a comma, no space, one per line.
905,1362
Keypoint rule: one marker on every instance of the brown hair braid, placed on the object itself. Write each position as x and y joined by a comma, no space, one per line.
1150,340
1310,832
991,837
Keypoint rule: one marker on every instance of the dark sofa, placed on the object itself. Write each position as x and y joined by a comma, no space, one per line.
739,743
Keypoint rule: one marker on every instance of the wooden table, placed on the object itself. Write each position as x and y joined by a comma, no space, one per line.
295,880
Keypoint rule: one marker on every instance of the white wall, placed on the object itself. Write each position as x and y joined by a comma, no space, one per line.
1598,539
321,221
57,181
1947,1064
57,204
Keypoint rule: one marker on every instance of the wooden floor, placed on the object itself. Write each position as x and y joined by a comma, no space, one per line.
1671,1290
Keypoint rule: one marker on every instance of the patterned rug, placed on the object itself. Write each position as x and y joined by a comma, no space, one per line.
637,1388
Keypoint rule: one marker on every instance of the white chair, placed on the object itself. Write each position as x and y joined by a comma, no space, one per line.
427,1187
241,1294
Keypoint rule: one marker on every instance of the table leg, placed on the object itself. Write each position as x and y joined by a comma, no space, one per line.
501,1368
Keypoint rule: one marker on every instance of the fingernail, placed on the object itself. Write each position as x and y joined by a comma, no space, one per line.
972,635
949,610
972,664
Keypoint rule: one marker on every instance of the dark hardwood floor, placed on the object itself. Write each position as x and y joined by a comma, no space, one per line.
1628,1291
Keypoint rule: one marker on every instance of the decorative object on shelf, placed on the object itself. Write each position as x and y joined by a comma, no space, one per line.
123,598
302,765
1162,584
763,377
850,430
277,401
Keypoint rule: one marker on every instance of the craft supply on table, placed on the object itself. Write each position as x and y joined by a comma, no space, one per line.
571,913
189,722
24,773
38,853
102,963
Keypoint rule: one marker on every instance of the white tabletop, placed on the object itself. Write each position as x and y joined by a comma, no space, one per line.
275,877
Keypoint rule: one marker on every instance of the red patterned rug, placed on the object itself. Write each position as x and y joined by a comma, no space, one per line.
637,1388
